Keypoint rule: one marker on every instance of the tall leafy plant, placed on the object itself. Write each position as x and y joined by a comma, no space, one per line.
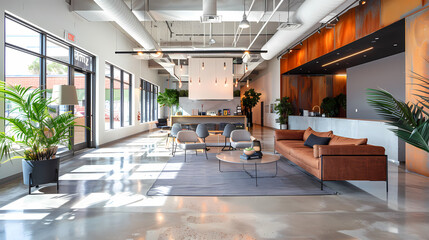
284,108
249,101
410,119
169,98
33,132
329,106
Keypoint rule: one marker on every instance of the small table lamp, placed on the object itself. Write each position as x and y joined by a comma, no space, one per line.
64,95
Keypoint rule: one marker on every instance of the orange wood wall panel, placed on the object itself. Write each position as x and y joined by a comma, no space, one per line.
305,92
394,10
367,18
345,29
320,44
339,85
283,65
416,51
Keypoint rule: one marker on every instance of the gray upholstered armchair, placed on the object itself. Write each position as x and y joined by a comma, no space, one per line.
189,140
241,139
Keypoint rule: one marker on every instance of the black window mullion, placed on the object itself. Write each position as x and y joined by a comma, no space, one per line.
112,88
130,92
141,101
42,73
122,98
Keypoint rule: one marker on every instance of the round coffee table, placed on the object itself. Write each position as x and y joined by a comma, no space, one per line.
234,157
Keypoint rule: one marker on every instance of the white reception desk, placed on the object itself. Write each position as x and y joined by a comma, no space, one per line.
376,131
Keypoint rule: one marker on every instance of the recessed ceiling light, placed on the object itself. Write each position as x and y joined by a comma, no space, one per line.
376,38
364,55
338,53
373,41
395,45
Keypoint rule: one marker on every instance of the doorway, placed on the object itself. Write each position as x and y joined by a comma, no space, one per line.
82,137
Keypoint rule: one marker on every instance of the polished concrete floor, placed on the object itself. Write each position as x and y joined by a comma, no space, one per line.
102,196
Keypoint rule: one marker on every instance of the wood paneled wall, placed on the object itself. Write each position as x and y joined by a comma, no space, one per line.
307,91
354,24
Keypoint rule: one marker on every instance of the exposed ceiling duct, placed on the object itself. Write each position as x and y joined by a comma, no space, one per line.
309,14
210,12
123,16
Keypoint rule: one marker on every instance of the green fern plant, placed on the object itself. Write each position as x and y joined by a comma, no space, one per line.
34,134
410,119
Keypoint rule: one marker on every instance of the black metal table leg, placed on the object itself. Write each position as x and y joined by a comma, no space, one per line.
256,173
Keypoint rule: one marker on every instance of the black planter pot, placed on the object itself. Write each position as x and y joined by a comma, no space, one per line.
40,172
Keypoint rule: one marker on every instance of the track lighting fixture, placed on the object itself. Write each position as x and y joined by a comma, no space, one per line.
216,82
202,66
226,82
199,81
224,66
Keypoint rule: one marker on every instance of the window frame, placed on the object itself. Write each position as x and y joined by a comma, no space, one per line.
122,95
43,58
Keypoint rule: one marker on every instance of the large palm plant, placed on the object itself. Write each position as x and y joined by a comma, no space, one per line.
33,133
410,119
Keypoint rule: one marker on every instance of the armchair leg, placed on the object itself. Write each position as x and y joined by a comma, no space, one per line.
185,155
205,151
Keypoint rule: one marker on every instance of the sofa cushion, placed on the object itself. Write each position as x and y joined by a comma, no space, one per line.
310,131
289,134
337,140
284,146
305,156
315,140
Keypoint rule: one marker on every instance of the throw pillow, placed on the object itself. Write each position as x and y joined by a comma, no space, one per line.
337,140
319,134
315,140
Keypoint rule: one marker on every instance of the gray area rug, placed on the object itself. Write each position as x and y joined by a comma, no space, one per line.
201,177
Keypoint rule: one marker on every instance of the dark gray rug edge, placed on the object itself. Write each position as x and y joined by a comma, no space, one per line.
327,191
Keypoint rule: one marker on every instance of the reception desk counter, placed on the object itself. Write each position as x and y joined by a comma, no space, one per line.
377,132
217,120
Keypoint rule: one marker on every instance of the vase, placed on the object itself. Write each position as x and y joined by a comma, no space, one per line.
40,172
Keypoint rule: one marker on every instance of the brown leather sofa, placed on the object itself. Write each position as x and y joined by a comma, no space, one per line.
343,159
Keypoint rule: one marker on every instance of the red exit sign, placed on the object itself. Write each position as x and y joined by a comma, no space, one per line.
69,37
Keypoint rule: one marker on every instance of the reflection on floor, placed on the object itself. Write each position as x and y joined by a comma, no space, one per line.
102,196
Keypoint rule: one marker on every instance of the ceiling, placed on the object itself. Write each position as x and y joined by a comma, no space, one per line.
385,42
176,24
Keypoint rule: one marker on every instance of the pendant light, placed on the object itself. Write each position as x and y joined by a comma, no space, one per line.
247,82
244,23
202,66
226,82
190,81
199,81
216,81
224,65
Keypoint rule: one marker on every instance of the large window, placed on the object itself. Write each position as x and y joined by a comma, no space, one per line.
148,101
36,59
118,97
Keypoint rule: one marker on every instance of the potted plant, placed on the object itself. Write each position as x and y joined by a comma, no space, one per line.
329,107
250,99
284,108
169,98
410,119
33,134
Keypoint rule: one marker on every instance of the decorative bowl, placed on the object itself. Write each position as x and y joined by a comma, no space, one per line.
249,152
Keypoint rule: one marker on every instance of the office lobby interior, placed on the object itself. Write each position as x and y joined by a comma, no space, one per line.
214,119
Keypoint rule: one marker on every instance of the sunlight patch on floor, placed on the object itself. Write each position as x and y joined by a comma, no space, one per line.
81,176
38,201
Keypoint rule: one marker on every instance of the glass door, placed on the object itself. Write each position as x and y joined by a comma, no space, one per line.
82,136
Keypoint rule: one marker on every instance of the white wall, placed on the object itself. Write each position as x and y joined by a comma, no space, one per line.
387,73
99,38
267,82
